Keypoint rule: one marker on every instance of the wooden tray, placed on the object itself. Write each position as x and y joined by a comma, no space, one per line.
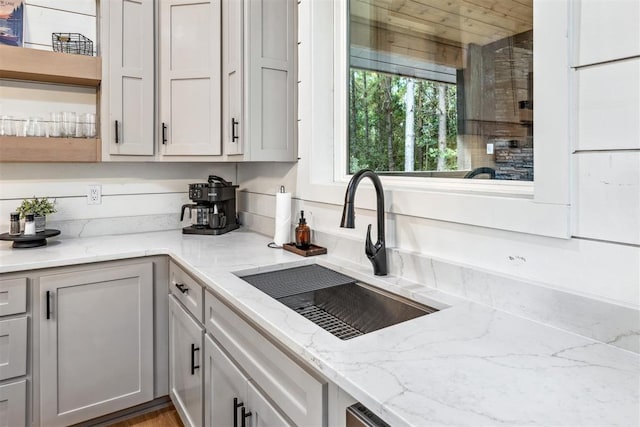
313,249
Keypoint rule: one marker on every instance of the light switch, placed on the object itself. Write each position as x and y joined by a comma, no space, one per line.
490,148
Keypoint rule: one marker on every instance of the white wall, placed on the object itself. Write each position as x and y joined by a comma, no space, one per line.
43,17
128,190
602,257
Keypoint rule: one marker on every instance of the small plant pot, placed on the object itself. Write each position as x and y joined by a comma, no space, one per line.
41,223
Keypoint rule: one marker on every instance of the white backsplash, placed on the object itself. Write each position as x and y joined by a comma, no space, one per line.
600,320
95,227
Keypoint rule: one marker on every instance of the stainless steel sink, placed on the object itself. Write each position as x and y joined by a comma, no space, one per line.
354,309
337,303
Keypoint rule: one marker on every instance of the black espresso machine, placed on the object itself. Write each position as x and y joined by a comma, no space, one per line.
214,207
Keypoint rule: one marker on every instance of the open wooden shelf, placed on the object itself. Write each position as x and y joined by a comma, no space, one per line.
40,149
49,67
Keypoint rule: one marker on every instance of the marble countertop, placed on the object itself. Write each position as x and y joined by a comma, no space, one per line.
467,364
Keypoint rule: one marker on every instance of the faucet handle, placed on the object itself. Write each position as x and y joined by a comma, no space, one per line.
369,247
377,254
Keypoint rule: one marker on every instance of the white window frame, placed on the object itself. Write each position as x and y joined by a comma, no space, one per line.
541,207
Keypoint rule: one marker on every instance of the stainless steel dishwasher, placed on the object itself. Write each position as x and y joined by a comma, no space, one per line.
359,416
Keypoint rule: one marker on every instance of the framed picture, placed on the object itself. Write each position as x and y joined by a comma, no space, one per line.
11,22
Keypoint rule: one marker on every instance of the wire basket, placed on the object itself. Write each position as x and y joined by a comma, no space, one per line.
72,43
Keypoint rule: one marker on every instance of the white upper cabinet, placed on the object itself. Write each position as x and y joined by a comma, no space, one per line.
259,79
223,73
131,78
232,72
189,73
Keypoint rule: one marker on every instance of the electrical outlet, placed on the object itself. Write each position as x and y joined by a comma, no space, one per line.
94,195
489,148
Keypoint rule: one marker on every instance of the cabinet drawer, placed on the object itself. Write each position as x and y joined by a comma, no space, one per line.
13,404
13,348
296,392
186,290
13,296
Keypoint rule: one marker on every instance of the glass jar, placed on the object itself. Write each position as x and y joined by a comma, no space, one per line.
14,227
29,225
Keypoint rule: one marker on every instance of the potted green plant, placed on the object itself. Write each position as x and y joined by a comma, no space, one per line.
40,207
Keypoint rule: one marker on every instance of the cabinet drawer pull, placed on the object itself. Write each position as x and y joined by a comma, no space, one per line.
234,129
182,288
48,297
236,405
164,133
245,415
117,137
193,359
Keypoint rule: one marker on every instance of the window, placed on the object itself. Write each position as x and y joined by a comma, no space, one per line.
441,89
540,207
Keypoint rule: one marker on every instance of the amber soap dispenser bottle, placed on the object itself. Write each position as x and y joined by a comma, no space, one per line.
303,233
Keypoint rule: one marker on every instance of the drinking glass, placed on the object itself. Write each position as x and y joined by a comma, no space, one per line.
90,125
7,126
55,125
79,127
68,124
21,127
34,127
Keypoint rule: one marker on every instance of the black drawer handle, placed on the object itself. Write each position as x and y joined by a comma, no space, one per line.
48,297
193,359
182,288
117,137
236,404
234,129
245,415
164,133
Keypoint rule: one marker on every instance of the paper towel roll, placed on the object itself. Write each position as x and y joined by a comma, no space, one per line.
283,219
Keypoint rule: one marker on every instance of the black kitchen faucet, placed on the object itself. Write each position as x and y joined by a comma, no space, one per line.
377,253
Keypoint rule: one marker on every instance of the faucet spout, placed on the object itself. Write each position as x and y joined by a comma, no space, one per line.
377,253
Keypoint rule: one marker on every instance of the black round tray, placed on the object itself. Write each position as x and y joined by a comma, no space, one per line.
38,239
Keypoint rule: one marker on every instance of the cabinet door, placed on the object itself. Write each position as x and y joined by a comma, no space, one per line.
263,413
233,120
225,388
290,387
96,342
190,77
13,398
13,296
13,347
270,102
131,103
185,364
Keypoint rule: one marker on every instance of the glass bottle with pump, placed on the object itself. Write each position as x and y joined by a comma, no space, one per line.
303,233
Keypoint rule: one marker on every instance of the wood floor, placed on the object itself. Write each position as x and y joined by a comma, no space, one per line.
167,417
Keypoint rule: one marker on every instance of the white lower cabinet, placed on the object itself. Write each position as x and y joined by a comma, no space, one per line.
263,413
185,364
277,391
226,373
231,399
13,404
225,387
14,333
13,347
96,342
